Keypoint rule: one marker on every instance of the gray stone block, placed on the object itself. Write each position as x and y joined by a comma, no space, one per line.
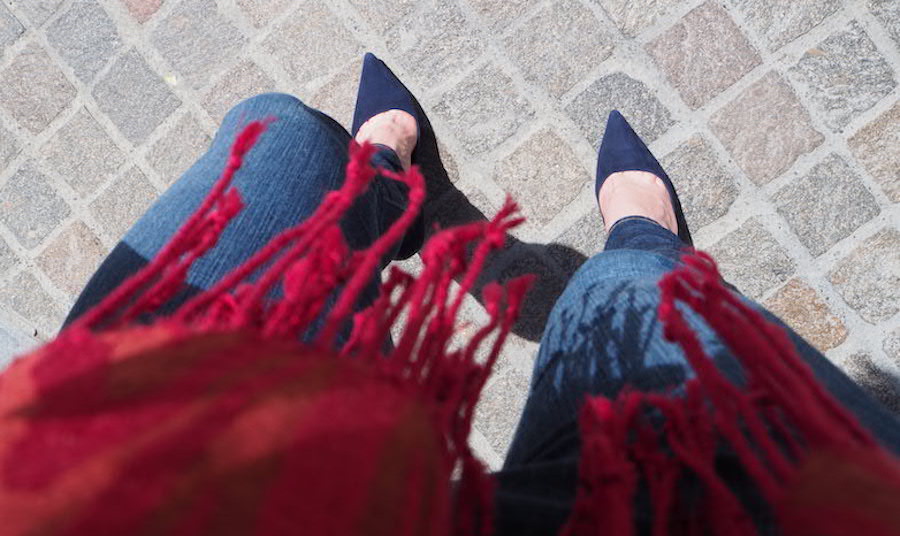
10,27
126,200
844,75
618,91
559,46
384,15
242,81
826,205
178,149
262,12
877,146
765,129
869,277
31,207
197,40
581,241
134,97
85,37
82,154
484,109
500,15
435,42
778,22
33,90
9,147
24,295
705,189
337,97
888,14
13,343
544,175
877,382
751,259
299,43
8,257
500,408
39,11
633,16
703,54
891,346
72,257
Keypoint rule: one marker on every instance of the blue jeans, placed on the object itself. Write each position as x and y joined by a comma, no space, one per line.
299,159
603,332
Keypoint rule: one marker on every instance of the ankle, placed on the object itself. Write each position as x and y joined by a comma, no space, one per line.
636,193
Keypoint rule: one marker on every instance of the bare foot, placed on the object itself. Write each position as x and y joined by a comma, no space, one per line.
636,193
395,129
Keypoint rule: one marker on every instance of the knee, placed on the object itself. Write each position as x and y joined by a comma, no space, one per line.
268,104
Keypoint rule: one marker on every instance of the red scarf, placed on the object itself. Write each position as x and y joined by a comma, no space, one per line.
216,421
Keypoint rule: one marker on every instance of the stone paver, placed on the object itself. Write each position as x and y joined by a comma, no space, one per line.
869,375
10,27
86,38
82,153
646,114
120,205
31,208
242,81
869,277
703,54
196,39
559,45
134,97
9,147
33,90
142,10
877,146
765,129
751,259
804,310
706,190
262,12
178,149
778,22
71,258
38,11
633,17
525,173
484,109
778,121
844,75
434,42
888,14
311,42
826,204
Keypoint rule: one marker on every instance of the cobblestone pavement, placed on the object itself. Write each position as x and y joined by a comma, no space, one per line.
779,122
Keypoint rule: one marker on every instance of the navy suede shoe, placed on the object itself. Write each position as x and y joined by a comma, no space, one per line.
379,91
623,150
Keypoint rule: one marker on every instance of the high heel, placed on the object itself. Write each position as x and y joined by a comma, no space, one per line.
379,91
623,150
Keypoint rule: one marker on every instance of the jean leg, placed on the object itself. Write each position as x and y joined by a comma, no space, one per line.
604,334
298,159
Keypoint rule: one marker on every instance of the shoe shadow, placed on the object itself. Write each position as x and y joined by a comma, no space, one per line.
554,264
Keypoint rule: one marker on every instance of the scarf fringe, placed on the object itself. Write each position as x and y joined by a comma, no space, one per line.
771,424
312,262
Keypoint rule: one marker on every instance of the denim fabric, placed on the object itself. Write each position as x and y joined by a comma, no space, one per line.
602,335
300,157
